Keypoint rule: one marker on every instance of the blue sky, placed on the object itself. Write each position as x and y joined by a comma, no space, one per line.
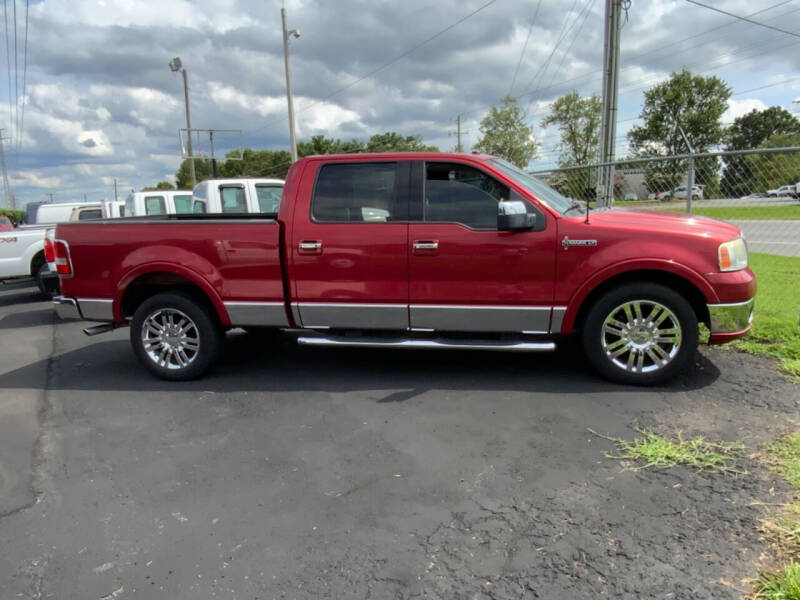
101,103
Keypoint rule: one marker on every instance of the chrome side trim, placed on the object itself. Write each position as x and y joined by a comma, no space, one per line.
260,314
558,319
480,318
730,318
96,309
66,308
340,315
296,315
441,343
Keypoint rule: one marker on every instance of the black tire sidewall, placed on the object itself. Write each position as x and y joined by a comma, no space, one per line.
207,328
591,333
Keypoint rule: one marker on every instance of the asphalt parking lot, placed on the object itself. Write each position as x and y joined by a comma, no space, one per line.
314,473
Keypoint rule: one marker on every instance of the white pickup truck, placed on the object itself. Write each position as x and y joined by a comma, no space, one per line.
240,195
158,202
22,255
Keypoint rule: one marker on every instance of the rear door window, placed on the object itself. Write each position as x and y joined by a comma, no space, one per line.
269,198
183,203
357,193
155,205
233,199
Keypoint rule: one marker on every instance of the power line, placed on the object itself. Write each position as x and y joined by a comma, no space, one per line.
587,11
24,81
8,59
524,47
392,61
741,18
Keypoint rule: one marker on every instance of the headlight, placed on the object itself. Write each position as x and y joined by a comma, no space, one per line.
733,255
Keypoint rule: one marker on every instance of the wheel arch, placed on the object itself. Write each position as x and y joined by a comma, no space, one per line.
136,287
690,285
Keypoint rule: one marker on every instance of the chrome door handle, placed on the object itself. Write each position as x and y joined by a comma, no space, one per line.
310,245
426,245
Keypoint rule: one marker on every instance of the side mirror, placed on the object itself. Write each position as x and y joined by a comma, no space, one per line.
513,215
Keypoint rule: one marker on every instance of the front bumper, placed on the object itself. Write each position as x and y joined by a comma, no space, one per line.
730,320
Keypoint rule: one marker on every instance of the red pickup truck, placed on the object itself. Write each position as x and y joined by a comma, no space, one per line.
414,250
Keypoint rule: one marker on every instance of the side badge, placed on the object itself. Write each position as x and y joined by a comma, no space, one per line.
566,243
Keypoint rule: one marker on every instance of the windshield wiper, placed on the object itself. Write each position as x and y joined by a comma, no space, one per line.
573,205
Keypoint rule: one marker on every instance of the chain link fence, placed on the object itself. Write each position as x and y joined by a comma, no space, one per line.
756,190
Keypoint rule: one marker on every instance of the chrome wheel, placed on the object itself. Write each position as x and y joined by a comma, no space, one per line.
170,338
641,336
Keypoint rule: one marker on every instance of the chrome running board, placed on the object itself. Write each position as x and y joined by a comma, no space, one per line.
454,344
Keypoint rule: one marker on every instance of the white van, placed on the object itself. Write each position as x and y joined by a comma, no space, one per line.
158,202
240,195
60,212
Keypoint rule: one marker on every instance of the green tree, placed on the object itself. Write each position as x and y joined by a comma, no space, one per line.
751,131
505,134
774,170
693,103
202,170
578,120
161,185
394,142
319,144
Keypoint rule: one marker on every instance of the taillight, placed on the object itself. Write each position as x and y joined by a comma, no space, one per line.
63,262
49,253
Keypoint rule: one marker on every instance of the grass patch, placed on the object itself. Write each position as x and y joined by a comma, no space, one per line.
651,450
781,585
775,330
783,528
786,212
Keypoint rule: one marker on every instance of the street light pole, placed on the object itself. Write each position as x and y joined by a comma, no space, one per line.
175,65
286,34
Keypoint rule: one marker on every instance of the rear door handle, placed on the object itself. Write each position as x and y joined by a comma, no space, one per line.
310,247
426,246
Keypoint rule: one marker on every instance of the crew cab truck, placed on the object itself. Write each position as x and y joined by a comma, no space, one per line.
241,195
414,250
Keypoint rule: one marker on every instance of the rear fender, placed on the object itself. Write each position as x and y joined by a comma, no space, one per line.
187,265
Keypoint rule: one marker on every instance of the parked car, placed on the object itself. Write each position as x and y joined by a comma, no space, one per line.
631,196
158,202
5,223
679,193
241,195
56,212
789,191
414,250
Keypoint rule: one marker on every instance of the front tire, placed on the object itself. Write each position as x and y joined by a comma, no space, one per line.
640,334
175,337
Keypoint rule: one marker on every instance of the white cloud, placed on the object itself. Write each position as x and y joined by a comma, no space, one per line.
737,108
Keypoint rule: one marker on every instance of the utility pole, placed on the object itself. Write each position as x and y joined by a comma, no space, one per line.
50,194
458,133
115,189
608,131
286,34
9,195
176,65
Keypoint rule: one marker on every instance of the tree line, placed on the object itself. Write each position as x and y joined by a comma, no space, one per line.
679,115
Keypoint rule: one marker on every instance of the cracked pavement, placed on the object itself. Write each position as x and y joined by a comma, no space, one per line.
296,472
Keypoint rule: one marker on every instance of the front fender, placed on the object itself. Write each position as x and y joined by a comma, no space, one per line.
629,266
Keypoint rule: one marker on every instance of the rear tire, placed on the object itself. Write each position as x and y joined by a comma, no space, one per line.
175,337
640,334
48,286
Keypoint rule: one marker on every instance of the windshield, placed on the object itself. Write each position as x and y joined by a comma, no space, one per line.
540,190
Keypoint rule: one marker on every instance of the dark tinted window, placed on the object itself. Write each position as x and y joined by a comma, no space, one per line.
456,193
233,199
356,193
154,205
269,198
88,215
198,206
